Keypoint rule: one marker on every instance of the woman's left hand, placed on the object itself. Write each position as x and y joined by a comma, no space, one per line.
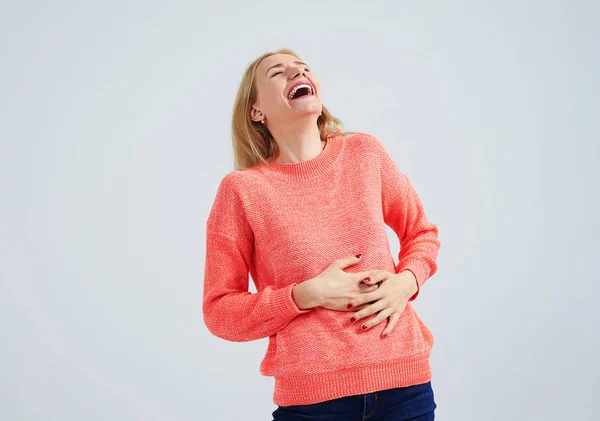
389,299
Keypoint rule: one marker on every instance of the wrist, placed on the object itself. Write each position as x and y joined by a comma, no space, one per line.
414,286
306,295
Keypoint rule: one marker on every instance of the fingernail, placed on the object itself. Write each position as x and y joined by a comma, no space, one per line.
367,279
358,255
384,335
353,319
364,327
349,305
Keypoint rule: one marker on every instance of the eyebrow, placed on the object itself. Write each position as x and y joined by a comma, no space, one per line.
280,65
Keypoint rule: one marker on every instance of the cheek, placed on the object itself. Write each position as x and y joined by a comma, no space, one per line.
276,95
317,88
269,100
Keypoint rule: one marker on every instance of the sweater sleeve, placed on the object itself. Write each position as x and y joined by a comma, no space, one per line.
403,212
229,310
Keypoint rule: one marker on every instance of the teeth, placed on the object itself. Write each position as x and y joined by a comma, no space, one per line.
302,85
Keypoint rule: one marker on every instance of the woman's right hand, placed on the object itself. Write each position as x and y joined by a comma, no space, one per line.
337,287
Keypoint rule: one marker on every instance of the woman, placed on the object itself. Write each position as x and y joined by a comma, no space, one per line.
305,216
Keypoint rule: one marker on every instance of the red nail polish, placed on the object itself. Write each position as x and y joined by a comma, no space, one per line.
353,319
358,255
364,327
349,305
367,279
384,335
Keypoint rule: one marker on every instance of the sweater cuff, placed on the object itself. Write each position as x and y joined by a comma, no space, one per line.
418,269
283,304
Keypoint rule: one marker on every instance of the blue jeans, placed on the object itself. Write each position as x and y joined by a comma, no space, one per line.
414,403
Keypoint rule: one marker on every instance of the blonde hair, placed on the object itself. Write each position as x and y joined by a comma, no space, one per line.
252,141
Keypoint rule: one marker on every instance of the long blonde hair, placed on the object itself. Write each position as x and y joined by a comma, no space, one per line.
252,141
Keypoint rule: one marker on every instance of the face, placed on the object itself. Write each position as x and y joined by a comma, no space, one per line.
275,76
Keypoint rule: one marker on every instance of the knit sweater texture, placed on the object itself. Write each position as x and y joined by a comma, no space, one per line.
285,223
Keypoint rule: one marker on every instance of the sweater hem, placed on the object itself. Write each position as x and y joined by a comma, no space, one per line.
315,388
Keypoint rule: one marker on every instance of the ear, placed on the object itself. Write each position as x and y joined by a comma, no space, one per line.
256,115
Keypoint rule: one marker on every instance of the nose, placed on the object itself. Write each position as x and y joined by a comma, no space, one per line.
298,70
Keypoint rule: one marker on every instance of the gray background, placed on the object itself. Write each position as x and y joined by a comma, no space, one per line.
116,132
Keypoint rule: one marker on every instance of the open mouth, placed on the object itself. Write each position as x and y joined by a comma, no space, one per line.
300,91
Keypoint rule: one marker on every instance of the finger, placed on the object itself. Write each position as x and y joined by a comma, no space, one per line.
383,314
360,307
360,276
372,309
365,298
376,276
354,304
348,261
360,299
364,288
393,319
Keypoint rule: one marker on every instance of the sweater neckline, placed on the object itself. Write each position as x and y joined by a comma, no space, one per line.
309,168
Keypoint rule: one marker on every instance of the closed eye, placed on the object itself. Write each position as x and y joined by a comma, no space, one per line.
275,74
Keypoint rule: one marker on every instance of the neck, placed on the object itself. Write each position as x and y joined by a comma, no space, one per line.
297,141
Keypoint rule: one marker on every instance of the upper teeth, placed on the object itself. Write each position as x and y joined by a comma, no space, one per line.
302,85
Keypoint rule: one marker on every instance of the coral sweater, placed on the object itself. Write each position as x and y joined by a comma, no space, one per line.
284,223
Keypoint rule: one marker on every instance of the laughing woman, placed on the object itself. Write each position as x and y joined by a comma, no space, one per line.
305,215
